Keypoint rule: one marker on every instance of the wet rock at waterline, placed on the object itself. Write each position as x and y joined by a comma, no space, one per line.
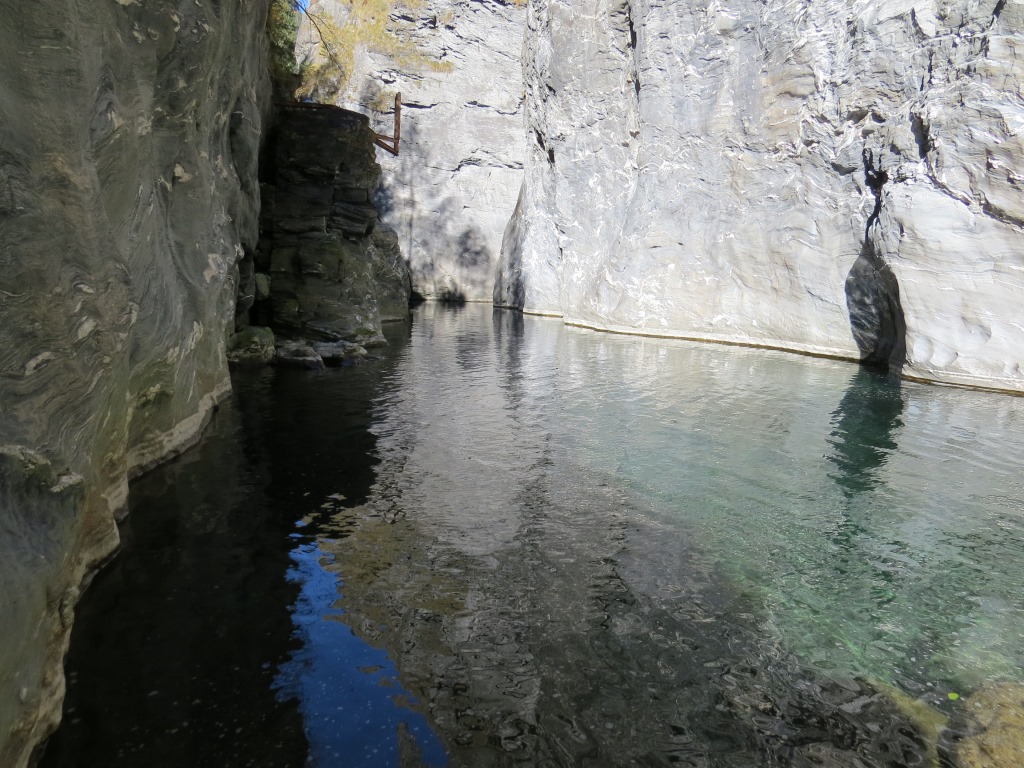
298,354
128,196
996,720
337,352
831,177
252,344
317,355
334,272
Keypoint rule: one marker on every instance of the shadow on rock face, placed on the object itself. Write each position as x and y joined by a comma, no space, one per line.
509,280
452,296
876,315
472,249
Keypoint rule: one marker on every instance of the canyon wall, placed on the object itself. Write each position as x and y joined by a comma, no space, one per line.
451,190
840,178
333,272
129,139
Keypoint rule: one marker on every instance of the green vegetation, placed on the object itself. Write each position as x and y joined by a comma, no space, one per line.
327,72
282,30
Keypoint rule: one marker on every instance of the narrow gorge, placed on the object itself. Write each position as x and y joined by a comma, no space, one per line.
841,179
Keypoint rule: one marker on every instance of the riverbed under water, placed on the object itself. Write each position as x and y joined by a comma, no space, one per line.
509,542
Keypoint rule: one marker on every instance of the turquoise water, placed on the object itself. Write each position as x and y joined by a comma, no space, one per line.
509,542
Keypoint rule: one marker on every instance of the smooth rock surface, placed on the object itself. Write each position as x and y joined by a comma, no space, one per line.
128,194
451,190
834,178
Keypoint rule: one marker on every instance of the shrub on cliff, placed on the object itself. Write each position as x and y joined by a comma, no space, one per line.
282,31
339,28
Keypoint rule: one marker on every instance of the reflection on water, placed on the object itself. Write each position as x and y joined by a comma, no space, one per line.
516,543
356,712
865,424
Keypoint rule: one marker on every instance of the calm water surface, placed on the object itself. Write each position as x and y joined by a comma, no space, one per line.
508,542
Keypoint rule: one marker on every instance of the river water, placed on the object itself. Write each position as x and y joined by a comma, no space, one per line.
509,542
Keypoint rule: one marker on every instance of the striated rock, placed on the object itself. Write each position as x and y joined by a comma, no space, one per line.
330,270
452,188
128,196
996,714
833,178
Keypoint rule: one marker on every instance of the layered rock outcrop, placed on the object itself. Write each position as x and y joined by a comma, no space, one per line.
333,272
128,194
833,178
451,190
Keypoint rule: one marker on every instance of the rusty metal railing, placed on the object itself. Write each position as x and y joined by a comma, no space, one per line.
390,143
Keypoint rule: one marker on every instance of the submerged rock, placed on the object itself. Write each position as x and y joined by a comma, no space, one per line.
928,721
996,718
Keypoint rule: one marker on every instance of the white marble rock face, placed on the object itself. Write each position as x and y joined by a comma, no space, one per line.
451,191
830,177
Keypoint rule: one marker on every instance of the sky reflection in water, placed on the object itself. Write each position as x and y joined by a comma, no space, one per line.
356,712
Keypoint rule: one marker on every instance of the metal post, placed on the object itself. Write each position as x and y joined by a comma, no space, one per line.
391,143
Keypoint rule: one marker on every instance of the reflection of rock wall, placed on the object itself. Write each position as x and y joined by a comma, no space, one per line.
836,178
450,192
128,194
333,272
630,600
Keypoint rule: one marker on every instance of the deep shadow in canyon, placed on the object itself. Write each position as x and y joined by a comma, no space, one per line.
177,643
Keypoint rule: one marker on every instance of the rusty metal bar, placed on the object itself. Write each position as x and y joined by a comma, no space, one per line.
391,143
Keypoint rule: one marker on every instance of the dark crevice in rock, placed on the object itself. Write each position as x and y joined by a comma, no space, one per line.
856,115
922,136
1000,215
876,314
873,293
635,70
876,178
